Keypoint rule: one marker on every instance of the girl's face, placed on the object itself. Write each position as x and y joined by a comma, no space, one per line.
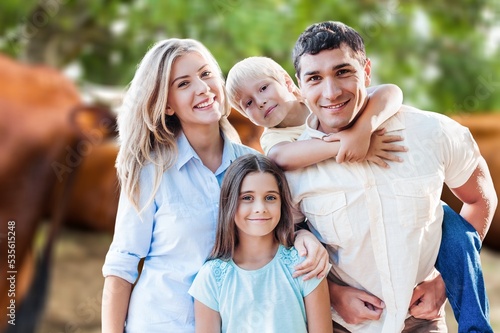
195,91
259,205
266,102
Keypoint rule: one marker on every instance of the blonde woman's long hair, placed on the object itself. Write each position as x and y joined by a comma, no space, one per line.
146,133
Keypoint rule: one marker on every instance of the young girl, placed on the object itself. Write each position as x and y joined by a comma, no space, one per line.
247,285
262,90
176,144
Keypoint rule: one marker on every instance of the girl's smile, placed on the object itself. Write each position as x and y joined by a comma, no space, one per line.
259,205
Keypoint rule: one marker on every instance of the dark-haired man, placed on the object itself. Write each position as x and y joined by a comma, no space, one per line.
382,227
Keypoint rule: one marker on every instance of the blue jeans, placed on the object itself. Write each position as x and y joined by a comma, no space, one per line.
460,266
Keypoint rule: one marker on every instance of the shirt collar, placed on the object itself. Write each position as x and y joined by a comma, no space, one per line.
186,153
228,155
312,124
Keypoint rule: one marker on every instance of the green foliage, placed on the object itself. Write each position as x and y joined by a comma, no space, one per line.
435,51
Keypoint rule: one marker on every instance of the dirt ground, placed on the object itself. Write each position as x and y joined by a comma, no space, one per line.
76,286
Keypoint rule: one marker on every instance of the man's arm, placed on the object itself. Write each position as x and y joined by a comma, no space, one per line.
317,261
353,305
479,203
479,199
428,298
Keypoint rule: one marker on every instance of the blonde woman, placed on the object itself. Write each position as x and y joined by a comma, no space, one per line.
176,144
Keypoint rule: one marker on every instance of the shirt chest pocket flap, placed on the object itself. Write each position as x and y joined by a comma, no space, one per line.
416,199
328,215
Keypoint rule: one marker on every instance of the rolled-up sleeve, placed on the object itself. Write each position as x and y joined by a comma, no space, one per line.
133,233
462,154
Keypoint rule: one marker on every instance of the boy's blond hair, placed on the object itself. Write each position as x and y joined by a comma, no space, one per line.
255,68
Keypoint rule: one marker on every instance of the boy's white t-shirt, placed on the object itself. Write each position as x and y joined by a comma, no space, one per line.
268,299
273,136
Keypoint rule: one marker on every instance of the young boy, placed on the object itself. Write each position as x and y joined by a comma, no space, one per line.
260,89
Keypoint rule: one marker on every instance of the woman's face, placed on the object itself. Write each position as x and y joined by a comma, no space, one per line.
195,91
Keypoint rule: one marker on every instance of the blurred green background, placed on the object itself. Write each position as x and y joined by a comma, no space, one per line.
443,54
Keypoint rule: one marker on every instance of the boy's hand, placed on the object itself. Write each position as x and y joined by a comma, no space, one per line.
382,148
354,144
317,259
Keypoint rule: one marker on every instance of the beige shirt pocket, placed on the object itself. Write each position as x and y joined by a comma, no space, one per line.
416,199
328,215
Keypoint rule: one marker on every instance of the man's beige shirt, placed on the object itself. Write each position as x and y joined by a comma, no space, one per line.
382,227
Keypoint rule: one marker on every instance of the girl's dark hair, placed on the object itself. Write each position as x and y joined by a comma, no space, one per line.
227,235
327,35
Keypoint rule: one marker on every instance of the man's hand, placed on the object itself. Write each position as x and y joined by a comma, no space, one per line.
428,299
353,305
317,259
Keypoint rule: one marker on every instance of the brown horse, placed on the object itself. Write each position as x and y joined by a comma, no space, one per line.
44,135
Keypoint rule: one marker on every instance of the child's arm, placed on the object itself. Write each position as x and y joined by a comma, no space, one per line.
383,102
206,319
382,148
317,304
300,154
348,145
115,299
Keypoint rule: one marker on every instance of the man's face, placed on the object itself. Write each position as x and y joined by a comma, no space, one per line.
333,82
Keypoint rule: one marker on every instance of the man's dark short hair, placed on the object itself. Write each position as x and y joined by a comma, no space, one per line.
328,35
